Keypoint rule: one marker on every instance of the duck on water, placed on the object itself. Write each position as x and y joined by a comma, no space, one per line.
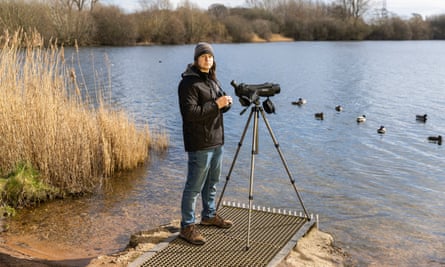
299,102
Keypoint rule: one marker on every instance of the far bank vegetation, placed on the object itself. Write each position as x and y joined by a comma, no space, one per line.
92,22
54,140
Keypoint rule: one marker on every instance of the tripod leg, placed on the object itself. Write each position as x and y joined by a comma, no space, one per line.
234,159
252,169
277,146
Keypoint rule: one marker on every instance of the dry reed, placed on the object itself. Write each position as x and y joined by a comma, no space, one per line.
44,121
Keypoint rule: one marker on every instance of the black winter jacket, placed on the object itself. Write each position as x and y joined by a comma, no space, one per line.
202,121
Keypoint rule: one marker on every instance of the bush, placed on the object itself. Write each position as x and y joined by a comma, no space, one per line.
438,27
113,27
239,29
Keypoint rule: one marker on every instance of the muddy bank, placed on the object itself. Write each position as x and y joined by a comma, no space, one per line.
9,261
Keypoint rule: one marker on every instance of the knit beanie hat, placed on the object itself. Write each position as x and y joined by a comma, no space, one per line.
203,48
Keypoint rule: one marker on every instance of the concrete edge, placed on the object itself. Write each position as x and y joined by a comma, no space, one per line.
147,255
291,244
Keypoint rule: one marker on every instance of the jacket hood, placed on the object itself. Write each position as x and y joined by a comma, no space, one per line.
190,70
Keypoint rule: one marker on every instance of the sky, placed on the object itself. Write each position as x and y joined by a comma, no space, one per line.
403,8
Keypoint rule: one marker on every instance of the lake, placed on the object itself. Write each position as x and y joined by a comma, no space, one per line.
382,196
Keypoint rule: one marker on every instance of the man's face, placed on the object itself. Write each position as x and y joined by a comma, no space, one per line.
205,62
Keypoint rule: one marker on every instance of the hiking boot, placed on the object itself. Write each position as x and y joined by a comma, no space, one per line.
192,235
217,221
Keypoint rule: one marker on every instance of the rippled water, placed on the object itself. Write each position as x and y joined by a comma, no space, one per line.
381,196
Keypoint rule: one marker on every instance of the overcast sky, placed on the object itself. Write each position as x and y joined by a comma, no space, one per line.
403,8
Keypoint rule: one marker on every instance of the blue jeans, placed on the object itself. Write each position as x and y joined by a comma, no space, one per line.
204,170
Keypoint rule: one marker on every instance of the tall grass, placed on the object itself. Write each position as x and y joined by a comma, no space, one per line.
45,122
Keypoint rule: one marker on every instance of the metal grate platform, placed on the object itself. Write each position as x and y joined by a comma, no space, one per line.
272,236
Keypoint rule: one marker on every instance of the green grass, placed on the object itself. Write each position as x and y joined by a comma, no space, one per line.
23,187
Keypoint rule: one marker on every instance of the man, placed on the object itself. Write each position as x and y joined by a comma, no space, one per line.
202,103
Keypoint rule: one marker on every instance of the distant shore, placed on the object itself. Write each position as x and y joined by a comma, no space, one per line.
273,38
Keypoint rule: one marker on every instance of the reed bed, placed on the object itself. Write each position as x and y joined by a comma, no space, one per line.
46,122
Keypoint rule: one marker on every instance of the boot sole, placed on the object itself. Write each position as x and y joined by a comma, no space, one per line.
199,243
220,226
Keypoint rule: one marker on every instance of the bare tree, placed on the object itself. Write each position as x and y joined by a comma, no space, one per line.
218,11
71,21
354,8
265,4
80,5
92,4
155,4
197,23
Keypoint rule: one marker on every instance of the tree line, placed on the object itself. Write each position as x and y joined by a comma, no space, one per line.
89,22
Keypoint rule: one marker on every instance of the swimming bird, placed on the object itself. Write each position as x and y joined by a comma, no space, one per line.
338,108
319,116
437,139
381,130
361,118
421,117
300,102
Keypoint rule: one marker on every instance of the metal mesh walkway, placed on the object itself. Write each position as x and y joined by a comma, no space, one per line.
272,236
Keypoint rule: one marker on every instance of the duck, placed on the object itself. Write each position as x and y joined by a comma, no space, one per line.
338,108
381,130
299,102
319,116
437,139
361,118
421,117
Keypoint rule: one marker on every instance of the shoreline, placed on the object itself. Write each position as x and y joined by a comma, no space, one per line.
274,38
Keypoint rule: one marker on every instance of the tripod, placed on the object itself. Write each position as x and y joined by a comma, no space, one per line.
255,111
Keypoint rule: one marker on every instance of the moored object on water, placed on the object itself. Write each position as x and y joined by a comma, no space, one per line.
421,118
338,108
381,130
319,116
436,139
299,102
361,118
